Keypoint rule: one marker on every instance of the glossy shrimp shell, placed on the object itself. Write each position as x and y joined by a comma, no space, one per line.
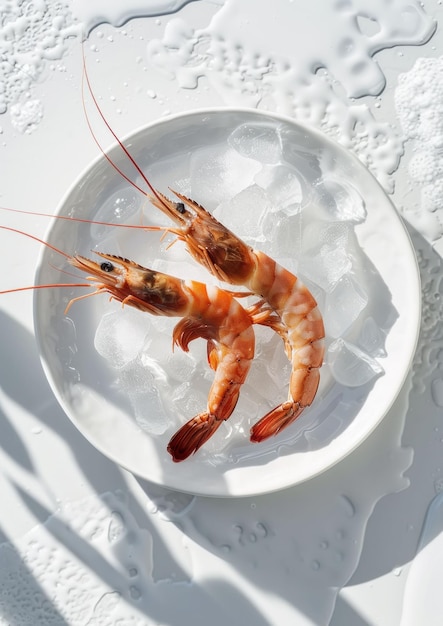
207,312
287,305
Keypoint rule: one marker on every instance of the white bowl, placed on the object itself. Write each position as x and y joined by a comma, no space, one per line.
204,154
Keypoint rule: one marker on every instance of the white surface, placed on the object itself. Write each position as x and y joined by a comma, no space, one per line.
344,539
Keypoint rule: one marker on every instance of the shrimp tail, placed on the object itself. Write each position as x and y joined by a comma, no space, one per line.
303,388
275,421
192,436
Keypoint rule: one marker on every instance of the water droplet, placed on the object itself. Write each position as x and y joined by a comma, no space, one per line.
397,571
135,592
349,506
133,572
36,430
315,565
339,556
437,391
116,528
324,545
262,530
253,538
239,532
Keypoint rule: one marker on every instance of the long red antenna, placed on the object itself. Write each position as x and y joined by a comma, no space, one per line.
114,134
45,243
84,220
45,287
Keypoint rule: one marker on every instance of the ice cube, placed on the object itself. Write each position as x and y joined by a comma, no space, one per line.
213,448
264,385
343,306
149,412
216,177
341,201
158,343
372,338
154,367
282,186
180,366
134,377
283,237
327,267
187,401
120,336
117,209
258,141
186,269
350,365
244,213
276,368
325,257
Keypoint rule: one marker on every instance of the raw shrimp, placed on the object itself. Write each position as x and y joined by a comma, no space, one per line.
206,311
287,305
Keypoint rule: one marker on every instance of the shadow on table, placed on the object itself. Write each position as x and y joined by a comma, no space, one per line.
287,543
393,531
298,546
22,380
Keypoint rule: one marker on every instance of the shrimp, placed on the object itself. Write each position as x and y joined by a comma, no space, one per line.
287,305
206,311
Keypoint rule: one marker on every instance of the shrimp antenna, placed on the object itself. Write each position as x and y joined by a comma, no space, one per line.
42,241
45,243
70,218
50,285
85,75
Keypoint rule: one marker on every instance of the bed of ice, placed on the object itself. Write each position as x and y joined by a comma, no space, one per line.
255,186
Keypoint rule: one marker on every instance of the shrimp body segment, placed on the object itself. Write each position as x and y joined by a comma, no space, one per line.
207,312
287,306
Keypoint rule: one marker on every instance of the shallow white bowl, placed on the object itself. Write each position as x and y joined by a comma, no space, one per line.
88,387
